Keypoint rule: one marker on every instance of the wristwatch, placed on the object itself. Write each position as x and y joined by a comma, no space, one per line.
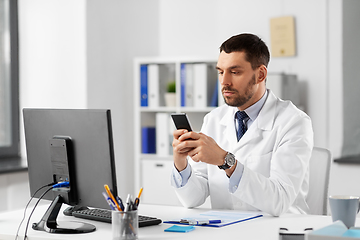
229,161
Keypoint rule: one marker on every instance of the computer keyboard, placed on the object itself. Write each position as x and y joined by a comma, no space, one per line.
104,215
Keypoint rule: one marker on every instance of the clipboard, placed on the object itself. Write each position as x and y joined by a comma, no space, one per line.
226,217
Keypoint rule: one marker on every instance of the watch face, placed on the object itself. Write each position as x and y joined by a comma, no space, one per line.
230,159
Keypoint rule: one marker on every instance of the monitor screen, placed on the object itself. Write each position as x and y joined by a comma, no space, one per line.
92,152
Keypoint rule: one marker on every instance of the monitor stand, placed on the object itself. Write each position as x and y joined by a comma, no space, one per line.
49,224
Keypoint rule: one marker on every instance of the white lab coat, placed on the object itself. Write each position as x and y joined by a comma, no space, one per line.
275,152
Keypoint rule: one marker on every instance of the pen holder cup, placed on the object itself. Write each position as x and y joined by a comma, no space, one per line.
125,225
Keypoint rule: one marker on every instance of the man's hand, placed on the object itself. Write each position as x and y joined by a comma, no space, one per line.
180,153
199,147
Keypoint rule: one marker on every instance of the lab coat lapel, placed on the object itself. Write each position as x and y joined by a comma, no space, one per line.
264,122
229,128
266,118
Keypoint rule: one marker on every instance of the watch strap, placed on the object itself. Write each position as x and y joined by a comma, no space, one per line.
226,165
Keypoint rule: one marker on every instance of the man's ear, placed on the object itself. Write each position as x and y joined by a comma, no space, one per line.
262,73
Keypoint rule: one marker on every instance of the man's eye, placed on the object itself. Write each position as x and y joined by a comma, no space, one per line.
220,73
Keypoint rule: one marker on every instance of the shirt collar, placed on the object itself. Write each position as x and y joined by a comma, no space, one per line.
253,110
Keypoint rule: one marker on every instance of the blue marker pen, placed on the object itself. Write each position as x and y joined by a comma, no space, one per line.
203,222
109,201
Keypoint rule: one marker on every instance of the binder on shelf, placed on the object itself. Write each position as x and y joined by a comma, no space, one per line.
186,81
189,97
153,85
215,96
144,85
148,140
182,84
205,83
212,84
200,77
162,134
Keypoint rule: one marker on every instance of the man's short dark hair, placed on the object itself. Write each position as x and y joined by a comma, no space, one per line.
256,51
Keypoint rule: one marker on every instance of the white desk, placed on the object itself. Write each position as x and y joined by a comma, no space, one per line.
266,227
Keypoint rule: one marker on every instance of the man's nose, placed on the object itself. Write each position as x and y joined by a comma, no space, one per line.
225,79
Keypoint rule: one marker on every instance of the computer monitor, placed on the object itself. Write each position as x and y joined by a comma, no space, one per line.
74,145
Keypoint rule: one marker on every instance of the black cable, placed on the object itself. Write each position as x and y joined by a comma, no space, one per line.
37,202
47,185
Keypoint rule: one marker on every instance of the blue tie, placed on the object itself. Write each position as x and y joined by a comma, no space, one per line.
241,116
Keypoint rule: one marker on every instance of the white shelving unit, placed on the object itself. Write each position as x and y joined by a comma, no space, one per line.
152,170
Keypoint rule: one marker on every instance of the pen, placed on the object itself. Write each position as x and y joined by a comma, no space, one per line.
199,222
206,222
137,200
128,203
140,192
121,205
127,218
111,196
109,201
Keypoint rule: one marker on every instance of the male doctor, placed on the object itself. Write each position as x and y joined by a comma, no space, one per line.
253,152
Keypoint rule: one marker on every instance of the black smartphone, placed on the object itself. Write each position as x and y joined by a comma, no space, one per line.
181,121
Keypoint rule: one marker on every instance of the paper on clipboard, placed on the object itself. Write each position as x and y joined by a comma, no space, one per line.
226,217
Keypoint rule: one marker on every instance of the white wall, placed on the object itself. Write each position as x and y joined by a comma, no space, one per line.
62,41
117,32
52,45
52,55
14,191
335,75
343,62
78,54
351,84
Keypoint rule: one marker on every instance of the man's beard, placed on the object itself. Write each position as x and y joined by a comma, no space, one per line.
240,100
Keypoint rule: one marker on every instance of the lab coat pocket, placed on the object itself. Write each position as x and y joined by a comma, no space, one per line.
260,164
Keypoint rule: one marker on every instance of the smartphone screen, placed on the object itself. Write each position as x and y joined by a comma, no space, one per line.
181,121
